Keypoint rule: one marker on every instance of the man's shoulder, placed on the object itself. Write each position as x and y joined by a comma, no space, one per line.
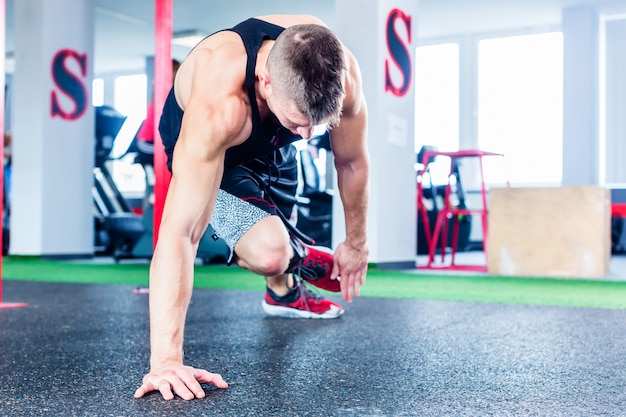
212,76
225,41
223,61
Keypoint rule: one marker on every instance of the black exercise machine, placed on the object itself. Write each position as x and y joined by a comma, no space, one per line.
117,228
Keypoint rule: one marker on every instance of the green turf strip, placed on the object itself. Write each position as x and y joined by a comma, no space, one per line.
481,288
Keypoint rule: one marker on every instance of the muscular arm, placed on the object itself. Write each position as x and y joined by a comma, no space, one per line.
191,195
349,142
208,129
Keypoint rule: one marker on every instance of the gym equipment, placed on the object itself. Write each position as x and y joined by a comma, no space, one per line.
618,214
6,213
315,205
117,228
453,209
430,200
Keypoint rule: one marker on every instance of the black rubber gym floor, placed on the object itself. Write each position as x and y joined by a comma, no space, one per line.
81,350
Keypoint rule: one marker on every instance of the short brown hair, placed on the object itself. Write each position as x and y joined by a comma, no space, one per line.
307,63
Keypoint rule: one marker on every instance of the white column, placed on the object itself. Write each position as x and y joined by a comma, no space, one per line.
614,149
581,96
382,36
53,128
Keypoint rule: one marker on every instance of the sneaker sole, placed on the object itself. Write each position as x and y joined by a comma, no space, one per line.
292,313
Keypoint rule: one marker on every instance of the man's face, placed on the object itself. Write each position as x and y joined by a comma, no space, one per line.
289,116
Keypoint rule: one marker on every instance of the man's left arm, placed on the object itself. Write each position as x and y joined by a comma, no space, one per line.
349,144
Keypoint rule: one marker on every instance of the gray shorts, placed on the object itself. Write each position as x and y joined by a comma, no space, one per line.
252,191
233,217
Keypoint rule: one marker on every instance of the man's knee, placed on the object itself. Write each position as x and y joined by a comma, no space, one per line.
269,262
265,249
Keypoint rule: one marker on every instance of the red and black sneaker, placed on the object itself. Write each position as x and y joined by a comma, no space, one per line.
300,302
316,267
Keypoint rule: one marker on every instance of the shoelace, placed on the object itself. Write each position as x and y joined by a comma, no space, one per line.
309,271
307,294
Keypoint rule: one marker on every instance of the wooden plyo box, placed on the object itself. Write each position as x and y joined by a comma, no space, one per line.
550,232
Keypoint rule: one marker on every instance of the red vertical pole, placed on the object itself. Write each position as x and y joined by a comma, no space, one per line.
162,82
2,82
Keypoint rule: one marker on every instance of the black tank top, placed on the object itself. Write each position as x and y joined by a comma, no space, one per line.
267,136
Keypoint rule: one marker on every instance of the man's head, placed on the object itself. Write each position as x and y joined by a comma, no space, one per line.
306,66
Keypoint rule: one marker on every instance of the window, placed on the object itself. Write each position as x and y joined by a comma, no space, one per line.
131,95
520,104
437,96
130,100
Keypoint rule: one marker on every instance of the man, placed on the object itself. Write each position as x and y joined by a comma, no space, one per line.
239,99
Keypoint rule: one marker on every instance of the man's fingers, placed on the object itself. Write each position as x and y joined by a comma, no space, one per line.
147,387
183,383
209,378
186,387
166,390
347,288
335,272
143,390
357,286
351,284
356,282
175,385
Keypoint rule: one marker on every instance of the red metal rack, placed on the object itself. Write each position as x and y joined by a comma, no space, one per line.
451,214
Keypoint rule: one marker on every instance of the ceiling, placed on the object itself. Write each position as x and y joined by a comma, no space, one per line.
117,21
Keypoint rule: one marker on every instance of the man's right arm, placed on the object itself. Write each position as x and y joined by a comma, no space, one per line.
208,129
185,217
187,211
